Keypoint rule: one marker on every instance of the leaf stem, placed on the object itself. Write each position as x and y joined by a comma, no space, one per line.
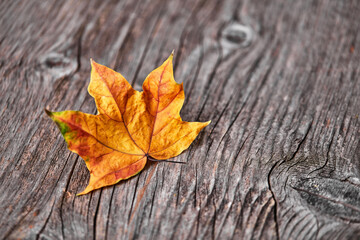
155,160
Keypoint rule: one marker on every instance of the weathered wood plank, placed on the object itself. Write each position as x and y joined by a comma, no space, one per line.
279,80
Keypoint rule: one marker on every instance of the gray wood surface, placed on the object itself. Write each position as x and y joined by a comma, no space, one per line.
280,81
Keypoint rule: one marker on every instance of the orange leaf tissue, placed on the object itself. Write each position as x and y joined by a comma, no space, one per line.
131,127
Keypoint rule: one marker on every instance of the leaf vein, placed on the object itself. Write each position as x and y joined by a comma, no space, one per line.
117,107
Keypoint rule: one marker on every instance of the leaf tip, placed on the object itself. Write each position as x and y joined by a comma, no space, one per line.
92,62
86,191
171,55
49,113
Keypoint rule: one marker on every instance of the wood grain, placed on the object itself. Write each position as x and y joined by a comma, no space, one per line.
278,79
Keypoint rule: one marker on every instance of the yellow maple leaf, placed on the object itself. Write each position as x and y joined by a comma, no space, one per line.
130,126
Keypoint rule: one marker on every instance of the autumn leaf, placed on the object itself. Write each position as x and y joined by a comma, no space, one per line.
131,127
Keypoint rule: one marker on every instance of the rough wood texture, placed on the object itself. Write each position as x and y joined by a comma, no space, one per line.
279,79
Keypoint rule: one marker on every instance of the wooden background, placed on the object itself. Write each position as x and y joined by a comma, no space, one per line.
279,80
